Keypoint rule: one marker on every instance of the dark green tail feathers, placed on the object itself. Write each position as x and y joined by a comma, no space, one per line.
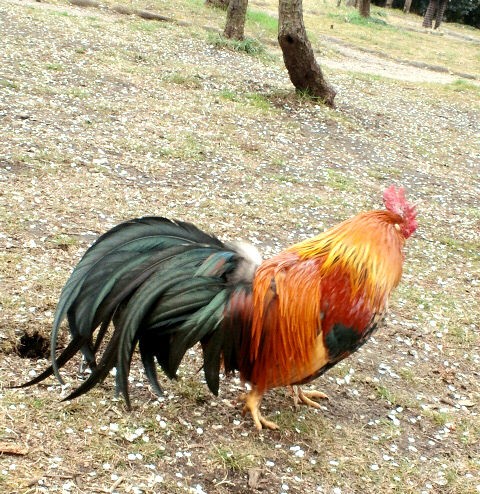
166,286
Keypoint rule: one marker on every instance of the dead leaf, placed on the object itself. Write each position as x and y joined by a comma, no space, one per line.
254,475
466,403
12,449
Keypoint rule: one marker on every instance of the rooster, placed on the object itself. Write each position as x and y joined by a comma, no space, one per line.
166,286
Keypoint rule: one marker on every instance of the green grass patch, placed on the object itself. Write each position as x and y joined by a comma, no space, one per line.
248,45
184,147
262,20
6,83
56,67
229,95
288,419
193,390
237,461
460,333
78,92
461,246
408,375
187,81
63,241
463,85
340,181
386,394
438,418
259,101
353,17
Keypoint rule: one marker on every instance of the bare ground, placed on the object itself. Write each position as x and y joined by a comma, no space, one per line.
363,62
105,117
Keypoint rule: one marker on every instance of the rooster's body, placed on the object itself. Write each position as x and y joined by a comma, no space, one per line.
168,286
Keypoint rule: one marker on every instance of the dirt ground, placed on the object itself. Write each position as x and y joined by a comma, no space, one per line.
105,117
369,63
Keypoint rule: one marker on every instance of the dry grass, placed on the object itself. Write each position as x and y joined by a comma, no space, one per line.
106,117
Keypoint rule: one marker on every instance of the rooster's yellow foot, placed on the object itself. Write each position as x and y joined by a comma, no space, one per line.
252,405
306,397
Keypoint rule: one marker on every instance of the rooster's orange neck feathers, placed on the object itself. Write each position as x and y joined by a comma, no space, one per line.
368,247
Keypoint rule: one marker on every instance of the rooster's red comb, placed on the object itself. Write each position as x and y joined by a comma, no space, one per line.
395,201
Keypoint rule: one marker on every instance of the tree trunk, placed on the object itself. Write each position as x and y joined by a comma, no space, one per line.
389,4
305,74
364,8
440,11
221,4
430,14
236,14
352,3
407,5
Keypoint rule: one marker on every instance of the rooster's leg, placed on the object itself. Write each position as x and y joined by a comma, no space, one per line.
305,397
252,405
